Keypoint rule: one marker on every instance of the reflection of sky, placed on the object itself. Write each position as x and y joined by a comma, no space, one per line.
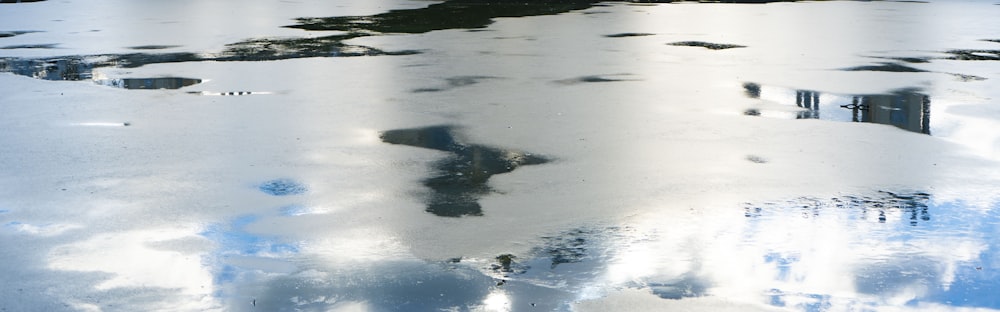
815,256
240,251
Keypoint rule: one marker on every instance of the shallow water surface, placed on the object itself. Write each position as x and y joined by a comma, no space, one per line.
480,155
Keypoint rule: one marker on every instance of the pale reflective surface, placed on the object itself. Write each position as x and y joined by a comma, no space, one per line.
499,156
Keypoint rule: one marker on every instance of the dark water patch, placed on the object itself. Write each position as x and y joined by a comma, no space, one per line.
7,34
624,35
282,187
912,60
967,78
707,45
507,264
974,55
19,1
595,78
153,47
907,109
756,159
569,247
456,82
80,67
887,67
149,83
269,49
461,178
68,68
454,14
992,40
30,46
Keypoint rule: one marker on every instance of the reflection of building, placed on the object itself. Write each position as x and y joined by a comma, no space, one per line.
906,108
808,100
149,83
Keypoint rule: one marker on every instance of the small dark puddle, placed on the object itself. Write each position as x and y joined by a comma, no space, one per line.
461,178
282,187
625,35
707,45
595,78
149,83
455,82
907,109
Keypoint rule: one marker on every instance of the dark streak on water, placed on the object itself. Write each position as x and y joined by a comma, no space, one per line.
154,47
455,82
19,1
907,109
888,67
31,46
593,79
707,45
6,34
461,177
625,35
975,55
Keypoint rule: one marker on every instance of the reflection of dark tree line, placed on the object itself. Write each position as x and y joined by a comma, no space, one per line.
913,205
906,108
453,14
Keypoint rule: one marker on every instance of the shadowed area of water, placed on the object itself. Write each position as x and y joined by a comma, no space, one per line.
461,177
907,109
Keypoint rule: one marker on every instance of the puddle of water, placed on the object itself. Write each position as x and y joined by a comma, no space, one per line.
462,176
148,83
906,109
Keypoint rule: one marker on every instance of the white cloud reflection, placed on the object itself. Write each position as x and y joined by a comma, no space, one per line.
163,258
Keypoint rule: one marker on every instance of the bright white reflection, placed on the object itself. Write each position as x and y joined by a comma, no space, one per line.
496,301
803,259
167,258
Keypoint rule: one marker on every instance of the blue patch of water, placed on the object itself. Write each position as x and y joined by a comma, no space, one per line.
282,187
